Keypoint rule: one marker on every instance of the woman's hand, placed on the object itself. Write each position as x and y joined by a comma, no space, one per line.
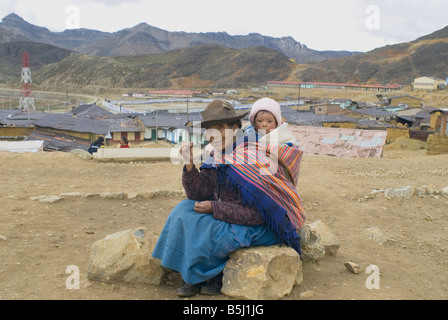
203,207
186,151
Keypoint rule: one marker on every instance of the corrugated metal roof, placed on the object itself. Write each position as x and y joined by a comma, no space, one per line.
405,96
128,124
58,142
4,113
307,118
444,111
17,123
378,86
168,120
376,112
175,92
374,124
70,123
92,111
16,117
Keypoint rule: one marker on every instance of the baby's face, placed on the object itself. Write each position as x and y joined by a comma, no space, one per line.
265,120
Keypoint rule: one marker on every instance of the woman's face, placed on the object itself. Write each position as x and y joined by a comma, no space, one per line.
221,136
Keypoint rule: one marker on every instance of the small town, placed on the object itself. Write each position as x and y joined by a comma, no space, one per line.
402,116
112,189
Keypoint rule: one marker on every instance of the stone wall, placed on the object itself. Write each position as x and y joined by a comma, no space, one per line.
436,144
397,133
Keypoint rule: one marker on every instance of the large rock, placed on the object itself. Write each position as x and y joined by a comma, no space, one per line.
406,193
428,190
262,273
126,256
83,154
113,195
376,234
311,244
328,239
47,199
444,191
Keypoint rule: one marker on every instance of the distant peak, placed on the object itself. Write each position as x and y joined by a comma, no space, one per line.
13,19
13,16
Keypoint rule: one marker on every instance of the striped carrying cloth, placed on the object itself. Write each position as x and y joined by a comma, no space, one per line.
266,176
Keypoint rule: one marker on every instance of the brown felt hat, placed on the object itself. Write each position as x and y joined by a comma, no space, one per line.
220,112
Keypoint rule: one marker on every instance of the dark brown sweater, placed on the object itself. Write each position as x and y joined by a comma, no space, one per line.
203,186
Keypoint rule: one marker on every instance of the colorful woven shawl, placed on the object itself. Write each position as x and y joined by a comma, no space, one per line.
266,177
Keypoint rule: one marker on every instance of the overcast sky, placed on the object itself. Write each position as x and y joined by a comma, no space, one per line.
355,25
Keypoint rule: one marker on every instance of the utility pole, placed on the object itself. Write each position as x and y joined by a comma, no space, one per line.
188,121
157,127
67,102
188,111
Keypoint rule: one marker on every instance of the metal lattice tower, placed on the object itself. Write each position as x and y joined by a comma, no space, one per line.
26,98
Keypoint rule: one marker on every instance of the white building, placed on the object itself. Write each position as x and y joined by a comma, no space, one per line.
428,83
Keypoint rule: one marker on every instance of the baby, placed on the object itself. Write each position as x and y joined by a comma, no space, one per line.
267,123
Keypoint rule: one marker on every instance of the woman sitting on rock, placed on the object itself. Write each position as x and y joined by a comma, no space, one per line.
233,203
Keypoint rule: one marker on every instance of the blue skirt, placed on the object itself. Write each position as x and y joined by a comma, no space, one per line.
198,246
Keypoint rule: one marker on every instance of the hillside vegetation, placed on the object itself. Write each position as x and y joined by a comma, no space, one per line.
148,57
400,63
41,55
203,66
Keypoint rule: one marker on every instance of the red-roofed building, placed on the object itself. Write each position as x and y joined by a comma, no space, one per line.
329,85
174,93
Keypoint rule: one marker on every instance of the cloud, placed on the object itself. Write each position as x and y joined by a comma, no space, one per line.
7,7
108,2
402,21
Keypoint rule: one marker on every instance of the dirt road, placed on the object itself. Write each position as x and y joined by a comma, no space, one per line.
38,241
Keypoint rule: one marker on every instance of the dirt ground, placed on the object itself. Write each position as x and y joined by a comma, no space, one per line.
38,241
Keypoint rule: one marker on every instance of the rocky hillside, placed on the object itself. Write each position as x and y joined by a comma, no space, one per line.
146,39
400,63
203,66
145,56
41,55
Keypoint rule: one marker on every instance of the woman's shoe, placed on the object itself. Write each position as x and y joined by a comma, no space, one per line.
189,290
213,286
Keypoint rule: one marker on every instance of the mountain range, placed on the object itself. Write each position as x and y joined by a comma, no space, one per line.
148,57
400,63
144,39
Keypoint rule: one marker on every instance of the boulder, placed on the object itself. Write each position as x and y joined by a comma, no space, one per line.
311,244
262,273
328,239
378,235
406,193
71,195
47,199
113,195
428,190
83,154
444,191
126,256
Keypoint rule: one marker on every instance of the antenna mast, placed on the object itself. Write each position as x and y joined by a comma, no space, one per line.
26,97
